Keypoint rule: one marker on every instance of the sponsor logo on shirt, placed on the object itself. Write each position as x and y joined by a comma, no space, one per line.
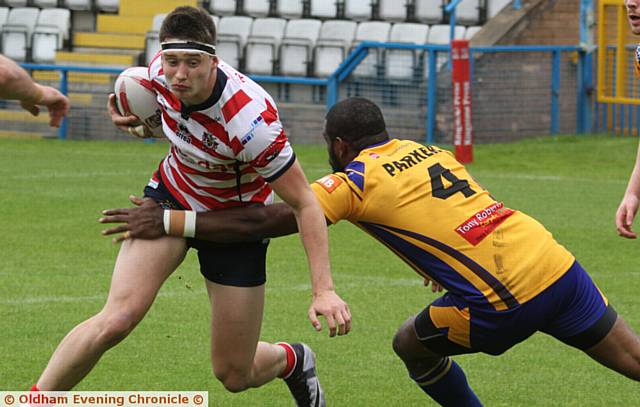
183,133
483,222
255,123
329,182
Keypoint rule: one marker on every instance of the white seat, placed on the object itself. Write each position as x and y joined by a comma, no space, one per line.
289,8
262,45
51,30
429,10
152,38
17,32
324,8
4,13
496,6
377,31
78,5
471,31
46,3
233,32
335,38
110,6
257,8
296,50
357,9
468,12
223,7
393,10
16,3
439,34
403,63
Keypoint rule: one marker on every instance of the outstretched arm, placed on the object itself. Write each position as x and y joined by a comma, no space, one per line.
629,206
146,221
16,84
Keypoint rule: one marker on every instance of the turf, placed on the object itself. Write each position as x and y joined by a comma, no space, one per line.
55,270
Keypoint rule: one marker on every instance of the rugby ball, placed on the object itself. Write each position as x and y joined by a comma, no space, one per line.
135,96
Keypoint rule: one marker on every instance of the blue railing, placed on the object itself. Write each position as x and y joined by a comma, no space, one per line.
351,62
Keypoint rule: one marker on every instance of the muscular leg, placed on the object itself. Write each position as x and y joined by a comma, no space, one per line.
436,374
141,268
619,350
239,360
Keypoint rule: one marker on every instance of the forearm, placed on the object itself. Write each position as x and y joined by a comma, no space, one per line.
15,83
633,188
246,224
313,233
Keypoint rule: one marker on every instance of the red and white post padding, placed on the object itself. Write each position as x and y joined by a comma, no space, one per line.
461,77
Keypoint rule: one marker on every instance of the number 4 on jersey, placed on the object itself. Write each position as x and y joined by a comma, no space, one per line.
437,172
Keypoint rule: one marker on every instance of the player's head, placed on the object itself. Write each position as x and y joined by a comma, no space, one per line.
633,15
350,126
189,60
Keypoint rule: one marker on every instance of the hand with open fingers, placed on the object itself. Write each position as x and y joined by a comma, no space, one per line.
56,103
435,287
625,216
335,311
124,123
142,221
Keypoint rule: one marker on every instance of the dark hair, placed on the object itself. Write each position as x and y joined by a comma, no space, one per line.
357,121
189,23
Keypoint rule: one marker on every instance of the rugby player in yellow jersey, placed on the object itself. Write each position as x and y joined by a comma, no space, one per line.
505,275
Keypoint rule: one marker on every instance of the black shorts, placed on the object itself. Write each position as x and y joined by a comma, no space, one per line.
235,264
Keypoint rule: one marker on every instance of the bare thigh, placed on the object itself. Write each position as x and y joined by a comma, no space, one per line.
235,325
619,350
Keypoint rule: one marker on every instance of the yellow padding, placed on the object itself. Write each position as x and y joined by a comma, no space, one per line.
20,134
98,59
23,116
85,77
102,40
151,7
109,23
81,99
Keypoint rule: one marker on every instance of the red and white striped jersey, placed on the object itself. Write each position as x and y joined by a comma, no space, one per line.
225,150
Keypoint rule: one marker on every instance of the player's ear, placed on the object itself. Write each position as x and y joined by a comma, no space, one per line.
214,62
341,147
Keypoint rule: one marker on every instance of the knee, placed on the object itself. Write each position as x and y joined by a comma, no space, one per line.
115,326
233,380
403,342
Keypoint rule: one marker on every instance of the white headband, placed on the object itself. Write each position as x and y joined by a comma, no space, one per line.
189,46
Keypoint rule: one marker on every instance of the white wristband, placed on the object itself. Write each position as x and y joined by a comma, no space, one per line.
179,223
189,224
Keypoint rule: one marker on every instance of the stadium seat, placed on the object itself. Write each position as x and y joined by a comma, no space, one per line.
223,7
263,44
357,9
4,13
335,38
78,5
495,6
17,32
233,32
471,31
257,8
377,31
296,50
152,38
16,3
46,3
51,30
429,10
393,10
289,8
404,63
324,8
468,12
110,6
439,34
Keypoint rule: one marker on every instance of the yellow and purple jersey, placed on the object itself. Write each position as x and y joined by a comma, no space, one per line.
424,206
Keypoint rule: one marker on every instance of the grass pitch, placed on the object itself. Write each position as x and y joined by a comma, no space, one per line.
55,270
